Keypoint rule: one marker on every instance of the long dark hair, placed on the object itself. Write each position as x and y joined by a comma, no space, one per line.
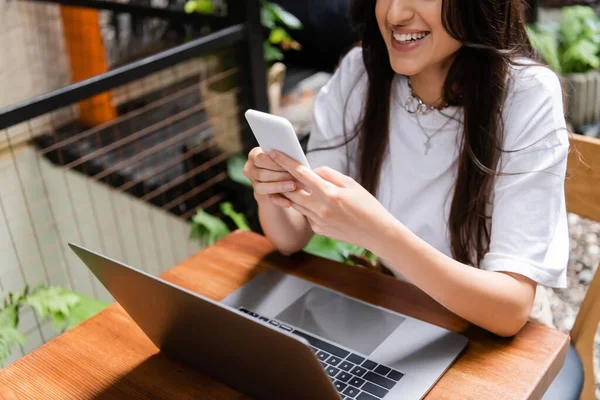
493,36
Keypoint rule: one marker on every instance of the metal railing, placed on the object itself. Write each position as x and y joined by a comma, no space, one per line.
126,187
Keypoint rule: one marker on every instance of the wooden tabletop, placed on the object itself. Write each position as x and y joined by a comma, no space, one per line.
108,356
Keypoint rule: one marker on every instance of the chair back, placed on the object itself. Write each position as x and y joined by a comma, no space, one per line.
582,191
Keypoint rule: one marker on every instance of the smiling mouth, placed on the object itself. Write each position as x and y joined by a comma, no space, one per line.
409,37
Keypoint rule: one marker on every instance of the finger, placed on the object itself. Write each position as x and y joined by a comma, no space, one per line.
300,197
274,187
303,174
305,211
333,176
263,161
280,201
267,175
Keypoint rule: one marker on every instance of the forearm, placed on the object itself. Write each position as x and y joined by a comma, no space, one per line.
495,301
287,229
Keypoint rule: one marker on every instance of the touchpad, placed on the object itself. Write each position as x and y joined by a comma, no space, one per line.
340,319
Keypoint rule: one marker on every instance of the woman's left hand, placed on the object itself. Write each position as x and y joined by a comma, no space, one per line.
335,204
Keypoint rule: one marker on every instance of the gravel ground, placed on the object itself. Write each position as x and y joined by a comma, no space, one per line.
584,259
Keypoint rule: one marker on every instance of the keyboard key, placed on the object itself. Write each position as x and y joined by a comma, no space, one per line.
366,396
285,327
333,360
357,382
346,366
328,347
356,359
321,355
323,364
382,370
351,391
358,371
332,371
253,314
274,323
340,385
395,375
344,376
242,309
380,380
374,390
369,365
264,319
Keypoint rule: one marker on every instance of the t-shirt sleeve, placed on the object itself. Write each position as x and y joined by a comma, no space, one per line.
335,115
529,234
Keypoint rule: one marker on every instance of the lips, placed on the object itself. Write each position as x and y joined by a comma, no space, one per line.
409,37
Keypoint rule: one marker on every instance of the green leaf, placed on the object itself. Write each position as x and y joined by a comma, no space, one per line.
285,17
267,17
199,6
546,45
371,257
205,6
190,6
581,57
235,167
9,337
278,35
576,23
54,303
323,246
272,53
86,307
9,317
60,305
208,228
238,218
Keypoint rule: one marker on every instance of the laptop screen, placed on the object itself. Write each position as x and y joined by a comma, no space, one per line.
340,319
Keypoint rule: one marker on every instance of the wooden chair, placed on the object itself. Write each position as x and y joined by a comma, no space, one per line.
582,188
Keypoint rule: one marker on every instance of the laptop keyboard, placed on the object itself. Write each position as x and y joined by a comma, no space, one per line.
354,376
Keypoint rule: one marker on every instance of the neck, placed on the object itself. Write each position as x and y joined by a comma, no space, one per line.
428,84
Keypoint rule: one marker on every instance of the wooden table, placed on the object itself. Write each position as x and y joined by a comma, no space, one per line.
108,356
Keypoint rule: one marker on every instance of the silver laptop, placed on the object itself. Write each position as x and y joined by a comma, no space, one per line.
282,337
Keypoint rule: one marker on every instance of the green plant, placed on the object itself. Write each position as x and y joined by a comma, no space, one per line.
273,17
208,228
573,44
64,308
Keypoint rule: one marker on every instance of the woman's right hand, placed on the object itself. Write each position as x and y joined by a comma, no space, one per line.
268,179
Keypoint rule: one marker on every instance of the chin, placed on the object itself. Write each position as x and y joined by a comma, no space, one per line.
406,67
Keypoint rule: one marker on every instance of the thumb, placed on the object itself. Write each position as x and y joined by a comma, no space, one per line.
333,176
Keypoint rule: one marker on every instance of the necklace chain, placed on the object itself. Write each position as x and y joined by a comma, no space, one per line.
427,142
415,105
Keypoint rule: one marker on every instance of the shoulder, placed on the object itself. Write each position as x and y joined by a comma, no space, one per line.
534,112
529,80
349,78
352,65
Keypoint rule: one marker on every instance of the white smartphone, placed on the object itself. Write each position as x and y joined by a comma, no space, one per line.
276,133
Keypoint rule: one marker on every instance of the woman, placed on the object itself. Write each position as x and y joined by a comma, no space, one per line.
441,147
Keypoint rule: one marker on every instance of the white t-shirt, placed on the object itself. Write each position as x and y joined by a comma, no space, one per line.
529,234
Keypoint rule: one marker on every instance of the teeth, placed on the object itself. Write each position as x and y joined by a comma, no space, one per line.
408,37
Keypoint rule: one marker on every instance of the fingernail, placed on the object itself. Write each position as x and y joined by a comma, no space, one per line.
289,186
272,154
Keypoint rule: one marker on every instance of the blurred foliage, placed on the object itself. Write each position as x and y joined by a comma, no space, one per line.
64,308
571,45
274,18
